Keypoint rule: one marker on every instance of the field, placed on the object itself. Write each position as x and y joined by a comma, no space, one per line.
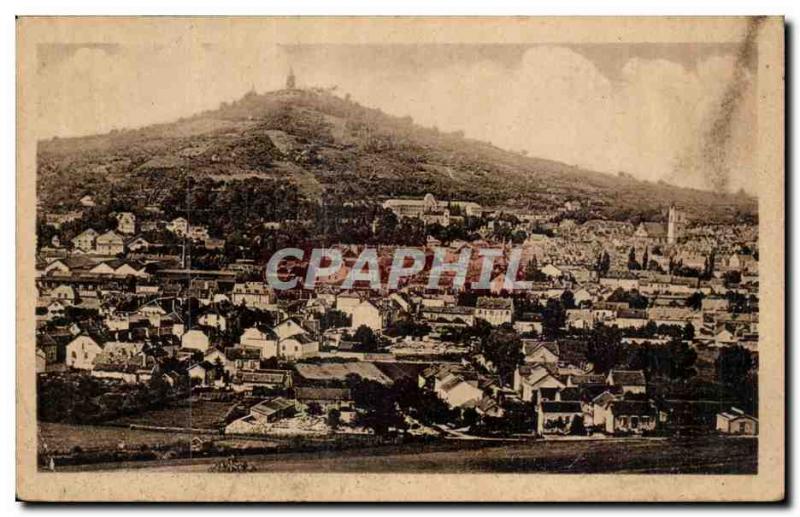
701,455
201,414
65,437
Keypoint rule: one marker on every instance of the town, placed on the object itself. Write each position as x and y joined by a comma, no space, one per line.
623,330
226,317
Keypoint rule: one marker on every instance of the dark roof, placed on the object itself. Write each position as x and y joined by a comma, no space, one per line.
628,377
314,393
494,303
570,394
580,380
632,407
561,407
272,406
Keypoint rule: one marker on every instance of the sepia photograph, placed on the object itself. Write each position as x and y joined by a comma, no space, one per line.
388,259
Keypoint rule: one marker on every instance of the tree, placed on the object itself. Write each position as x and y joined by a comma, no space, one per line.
503,347
378,402
603,263
554,317
314,408
688,332
604,347
334,318
334,419
695,301
568,299
632,263
576,426
733,364
645,259
366,340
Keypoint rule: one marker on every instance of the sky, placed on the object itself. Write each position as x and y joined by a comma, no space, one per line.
680,113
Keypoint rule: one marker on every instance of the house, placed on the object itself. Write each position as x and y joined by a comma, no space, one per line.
631,318
551,271
529,379
41,360
126,223
65,294
298,346
179,226
122,353
251,294
629,417
202,373
139,244
629,381
736,421
557,417
239,358
109,243
288,328
195,340
539,352
260,338
461,391
274,409
347,302
197,233
653,233
85,240
496,311
580,319
324,396
82,352
251,380
213,320
451,315
529,322
366,313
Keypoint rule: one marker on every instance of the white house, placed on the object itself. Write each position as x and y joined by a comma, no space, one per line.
494,310
262,339
82,352
298,346
366,313
196,340
126,223
736,421
109,243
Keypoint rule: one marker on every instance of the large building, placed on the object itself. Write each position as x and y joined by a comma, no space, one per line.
429,210
660,233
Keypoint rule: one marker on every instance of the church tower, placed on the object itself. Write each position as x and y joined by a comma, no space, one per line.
290,81
673,225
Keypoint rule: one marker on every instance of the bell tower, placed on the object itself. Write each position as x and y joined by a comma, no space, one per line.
673,222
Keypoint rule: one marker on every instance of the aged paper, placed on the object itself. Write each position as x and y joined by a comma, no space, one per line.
400,259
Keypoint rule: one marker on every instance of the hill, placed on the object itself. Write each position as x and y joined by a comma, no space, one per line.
334,147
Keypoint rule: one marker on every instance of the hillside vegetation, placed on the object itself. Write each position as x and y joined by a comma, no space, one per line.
333,147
